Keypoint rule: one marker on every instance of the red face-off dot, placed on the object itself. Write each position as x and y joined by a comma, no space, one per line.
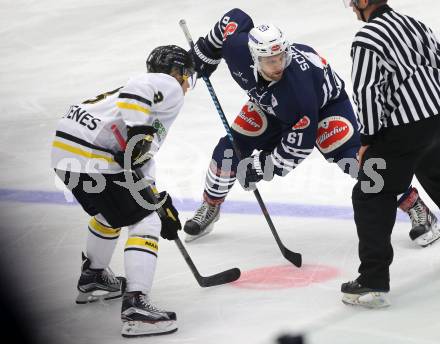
285,276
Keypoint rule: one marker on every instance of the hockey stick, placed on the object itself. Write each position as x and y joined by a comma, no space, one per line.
204,281
293,257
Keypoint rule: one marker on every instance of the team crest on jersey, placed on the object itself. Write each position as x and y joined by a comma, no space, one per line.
333,132
302,123
229,29
251,121
161,130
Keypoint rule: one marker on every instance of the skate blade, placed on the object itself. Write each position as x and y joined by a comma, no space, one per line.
100,294
429,237
144,329
368,300
97,295
190,238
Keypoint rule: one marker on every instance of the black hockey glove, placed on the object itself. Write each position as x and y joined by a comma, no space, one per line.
255,170
141,151
171,223
205,61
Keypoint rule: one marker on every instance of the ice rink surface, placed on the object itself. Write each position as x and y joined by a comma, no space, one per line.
55,53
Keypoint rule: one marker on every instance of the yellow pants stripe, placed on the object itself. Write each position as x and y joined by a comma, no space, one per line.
142,243
104,230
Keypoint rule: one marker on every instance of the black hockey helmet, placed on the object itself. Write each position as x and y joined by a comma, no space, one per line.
165,58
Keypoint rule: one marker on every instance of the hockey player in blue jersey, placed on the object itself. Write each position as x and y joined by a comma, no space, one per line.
296,102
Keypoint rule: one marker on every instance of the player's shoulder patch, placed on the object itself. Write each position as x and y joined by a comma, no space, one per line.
333,132
251,121
229,29
303,123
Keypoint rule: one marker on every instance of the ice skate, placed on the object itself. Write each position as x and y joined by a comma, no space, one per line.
425,228
98,284
203,222
355,294
140,318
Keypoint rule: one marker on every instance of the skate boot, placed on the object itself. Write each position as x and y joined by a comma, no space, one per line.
425,228
203,221
355,294
98,284
140,318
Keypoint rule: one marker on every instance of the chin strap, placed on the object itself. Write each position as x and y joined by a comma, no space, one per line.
255,68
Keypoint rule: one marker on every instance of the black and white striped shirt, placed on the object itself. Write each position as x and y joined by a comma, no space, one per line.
396,72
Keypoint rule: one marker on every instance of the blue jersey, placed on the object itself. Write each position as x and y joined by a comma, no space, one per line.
308,85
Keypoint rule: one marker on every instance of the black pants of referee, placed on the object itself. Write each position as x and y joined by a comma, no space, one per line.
408,150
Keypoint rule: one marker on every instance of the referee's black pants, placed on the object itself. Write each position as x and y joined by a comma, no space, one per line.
408,150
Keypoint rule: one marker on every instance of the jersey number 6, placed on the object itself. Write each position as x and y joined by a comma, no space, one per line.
295,138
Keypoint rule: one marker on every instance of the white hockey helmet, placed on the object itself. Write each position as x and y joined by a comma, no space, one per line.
267,40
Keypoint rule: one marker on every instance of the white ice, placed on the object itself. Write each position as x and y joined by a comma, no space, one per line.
54,53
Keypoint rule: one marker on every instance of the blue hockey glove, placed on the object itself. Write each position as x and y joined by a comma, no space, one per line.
205,61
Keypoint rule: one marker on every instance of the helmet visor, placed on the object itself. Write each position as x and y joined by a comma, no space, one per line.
273,63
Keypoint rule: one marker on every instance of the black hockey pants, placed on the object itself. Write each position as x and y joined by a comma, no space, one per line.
408,150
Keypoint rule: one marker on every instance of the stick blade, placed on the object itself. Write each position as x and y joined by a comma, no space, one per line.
293,257
224,277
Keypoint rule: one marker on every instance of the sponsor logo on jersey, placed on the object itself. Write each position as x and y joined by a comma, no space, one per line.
229,29
302,123
161,130
333,132
251,121
239,74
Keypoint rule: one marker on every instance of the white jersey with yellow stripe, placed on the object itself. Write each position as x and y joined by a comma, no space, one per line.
84,141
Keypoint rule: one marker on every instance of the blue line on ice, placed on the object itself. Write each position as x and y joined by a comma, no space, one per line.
230,206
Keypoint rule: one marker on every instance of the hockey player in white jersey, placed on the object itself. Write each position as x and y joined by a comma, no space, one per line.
87,158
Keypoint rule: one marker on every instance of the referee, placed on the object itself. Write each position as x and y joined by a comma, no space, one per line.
396,89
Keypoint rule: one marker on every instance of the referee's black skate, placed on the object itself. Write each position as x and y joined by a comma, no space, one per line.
355,294
98,284
203,221
425,228
140,318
